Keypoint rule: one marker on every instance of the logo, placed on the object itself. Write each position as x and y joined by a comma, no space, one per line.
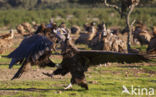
138,90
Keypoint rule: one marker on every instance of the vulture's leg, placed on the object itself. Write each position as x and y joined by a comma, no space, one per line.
48,74
22,69
68,87
78,78
82,83
58,71
72,81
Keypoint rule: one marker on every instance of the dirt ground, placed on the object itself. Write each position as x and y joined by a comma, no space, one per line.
127,71
37,73
32,74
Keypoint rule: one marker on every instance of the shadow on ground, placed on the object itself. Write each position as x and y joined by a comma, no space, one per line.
38,89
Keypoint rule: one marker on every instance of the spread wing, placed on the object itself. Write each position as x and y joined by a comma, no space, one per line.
14,61
96,57
33,47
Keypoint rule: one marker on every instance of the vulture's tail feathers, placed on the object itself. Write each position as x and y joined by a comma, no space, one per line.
21,70
13,62
19,73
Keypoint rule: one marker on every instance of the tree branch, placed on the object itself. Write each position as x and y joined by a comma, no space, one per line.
133,22
129,13
112,6
129,38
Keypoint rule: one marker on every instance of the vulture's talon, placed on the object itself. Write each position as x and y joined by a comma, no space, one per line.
12,78
68,87
48,74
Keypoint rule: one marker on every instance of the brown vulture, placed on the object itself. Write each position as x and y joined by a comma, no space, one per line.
41,29
76,62
8,36
152,46
34,50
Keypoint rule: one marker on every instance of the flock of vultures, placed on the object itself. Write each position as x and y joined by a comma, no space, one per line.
108,45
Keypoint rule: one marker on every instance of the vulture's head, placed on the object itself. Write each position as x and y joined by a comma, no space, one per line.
41,29
67,47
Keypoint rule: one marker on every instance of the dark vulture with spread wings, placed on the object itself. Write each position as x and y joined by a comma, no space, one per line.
77,62
34,50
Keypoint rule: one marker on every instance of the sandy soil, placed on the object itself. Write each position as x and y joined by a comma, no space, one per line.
32,74
37,73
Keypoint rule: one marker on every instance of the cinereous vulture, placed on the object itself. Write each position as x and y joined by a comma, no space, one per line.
34,50
76,62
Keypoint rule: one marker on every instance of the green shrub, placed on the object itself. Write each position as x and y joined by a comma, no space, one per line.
13,17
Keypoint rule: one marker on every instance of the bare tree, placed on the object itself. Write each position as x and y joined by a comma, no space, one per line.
125,9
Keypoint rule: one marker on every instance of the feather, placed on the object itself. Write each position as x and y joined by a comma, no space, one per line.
100,57
34,49
31,46
25,66
13,61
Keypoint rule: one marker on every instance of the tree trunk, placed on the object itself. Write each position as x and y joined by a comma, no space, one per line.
129,37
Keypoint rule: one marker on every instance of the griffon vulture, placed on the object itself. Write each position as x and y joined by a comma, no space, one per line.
8,36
